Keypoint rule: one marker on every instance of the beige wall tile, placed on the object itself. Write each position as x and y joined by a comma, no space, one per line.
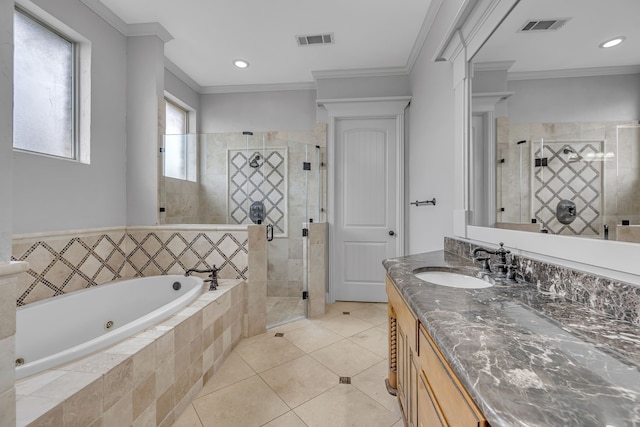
120,414
147,418
165,346
117,382
165,374
7,407
164,404
144,363
7,363
143,396
7,309
83,408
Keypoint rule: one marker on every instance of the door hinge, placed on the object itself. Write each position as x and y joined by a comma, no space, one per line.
161,149
305,294
541,162
305,232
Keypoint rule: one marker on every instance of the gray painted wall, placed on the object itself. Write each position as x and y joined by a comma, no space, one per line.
431,131
258,111
575,99
145,89
52,194
363,87
6,127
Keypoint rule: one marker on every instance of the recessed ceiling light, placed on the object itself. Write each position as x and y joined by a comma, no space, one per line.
613,42
240,63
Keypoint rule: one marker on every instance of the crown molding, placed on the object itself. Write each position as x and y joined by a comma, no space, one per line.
427,24
128,30
181,75
493,66
574,72
382,99
360,72
149,29
273,87
105,13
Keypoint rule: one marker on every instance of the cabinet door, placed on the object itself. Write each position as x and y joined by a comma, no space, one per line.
413,380
402,347
450,395
429,414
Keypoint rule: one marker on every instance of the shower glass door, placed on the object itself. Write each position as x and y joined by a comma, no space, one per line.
287,276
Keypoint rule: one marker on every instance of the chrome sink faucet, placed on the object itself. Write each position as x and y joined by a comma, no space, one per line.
502,259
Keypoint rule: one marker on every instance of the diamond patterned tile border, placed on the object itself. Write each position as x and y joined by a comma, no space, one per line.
202,251
580,182
106,260
92,260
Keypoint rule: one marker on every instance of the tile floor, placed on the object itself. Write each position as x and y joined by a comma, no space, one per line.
294,380
282,310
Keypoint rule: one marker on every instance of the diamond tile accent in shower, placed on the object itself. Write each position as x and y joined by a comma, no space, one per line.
578,181
267,183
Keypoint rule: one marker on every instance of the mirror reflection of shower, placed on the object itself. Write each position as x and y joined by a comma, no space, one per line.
571,154
254,161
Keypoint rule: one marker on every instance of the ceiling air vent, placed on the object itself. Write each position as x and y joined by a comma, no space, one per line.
533,25
314,39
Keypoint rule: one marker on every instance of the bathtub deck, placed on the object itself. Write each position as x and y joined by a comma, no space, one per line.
145,379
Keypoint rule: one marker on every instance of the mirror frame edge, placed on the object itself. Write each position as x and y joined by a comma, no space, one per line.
615,259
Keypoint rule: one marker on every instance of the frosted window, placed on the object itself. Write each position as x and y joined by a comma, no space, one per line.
43,89
180,148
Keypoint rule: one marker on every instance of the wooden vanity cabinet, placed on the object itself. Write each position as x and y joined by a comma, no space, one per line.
429,392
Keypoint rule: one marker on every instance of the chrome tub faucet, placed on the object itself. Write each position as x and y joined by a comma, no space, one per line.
213,276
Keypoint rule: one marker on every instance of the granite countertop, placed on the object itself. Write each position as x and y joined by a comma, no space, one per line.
525,357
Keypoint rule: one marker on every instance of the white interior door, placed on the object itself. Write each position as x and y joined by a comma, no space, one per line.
366,220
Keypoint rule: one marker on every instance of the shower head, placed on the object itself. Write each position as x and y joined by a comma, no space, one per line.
254,161
572,155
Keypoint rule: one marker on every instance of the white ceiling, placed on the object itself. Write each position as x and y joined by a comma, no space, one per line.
575,45
210,34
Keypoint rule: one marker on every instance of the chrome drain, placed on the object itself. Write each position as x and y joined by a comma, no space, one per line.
19,361
108,325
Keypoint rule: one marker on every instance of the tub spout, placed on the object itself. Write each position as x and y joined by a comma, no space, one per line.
213,276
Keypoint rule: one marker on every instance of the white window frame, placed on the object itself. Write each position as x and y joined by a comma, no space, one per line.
81,103
190,124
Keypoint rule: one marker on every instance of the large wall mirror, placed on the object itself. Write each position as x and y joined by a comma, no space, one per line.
555,134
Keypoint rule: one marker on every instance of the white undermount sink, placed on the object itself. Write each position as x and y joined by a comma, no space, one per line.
452,280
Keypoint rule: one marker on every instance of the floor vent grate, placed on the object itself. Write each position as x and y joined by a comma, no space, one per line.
279,334
346,313
345,380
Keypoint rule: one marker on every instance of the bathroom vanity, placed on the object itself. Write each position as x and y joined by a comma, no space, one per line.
505,355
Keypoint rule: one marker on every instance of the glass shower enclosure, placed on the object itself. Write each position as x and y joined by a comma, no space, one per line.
263,178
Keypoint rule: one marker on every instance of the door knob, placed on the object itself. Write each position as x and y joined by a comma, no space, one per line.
392,233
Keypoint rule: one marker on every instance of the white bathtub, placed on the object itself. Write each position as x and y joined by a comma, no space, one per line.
57,330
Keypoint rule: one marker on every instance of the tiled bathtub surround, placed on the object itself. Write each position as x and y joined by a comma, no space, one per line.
147,379
8,278
615,298
65,262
